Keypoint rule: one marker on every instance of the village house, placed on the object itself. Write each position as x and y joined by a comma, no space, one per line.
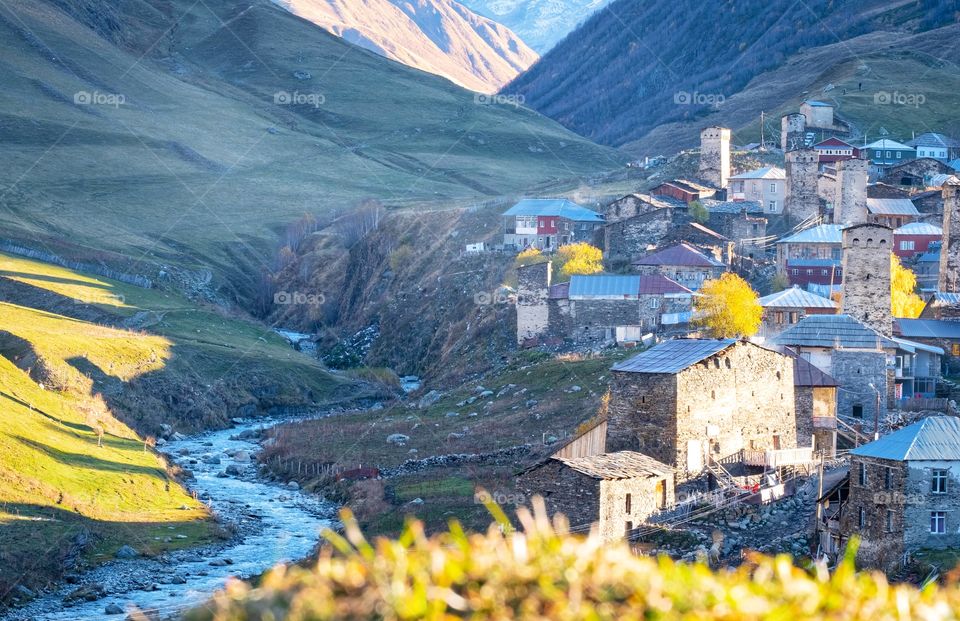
892,212
764,186
547,224
834,150
903,493
637,204
815,396
914,173
939,333
684,190
885,153
691,403
597,309
786,308
813,255
915,238
929,202
926,266
942,305
818,114
612,492
936,146
741,222
682,263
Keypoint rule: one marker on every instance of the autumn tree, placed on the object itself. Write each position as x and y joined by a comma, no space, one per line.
728,307
529,256
904,302
578,258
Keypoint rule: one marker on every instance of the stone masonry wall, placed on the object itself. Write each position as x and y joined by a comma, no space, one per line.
920,501
715,156
642,415
631,237
802,201
793,129
949,279
533,287
881,544
850,202
564,490
866,275
646,498
855,370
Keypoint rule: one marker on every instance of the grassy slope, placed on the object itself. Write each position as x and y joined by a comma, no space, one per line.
62,377
201,168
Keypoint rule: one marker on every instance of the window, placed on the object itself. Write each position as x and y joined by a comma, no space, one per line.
878,154
795,272
628,503
857,411
655,303
627,528
773,188
862,474
938,482
906,245
938,522
887,477
888,155
862,518
890,519
773,206
899,154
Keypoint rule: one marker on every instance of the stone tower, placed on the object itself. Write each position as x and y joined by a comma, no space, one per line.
533,292
715,156
850,201
793,129
802,201
866,275
949,279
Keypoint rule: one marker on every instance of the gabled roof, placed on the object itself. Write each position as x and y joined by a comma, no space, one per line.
887,143
919,228
715,206
942,179
928,328
616,466
696,226
913,347
795,297
673,356
954,164
554,207
821,234
767,172
892,207
690,186
931,439
618,287
833,141
933,139
833,331
681,254
945,298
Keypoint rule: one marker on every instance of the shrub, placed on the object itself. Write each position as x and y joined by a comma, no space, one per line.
545,573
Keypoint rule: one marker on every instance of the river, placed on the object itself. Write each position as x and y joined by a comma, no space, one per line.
274,524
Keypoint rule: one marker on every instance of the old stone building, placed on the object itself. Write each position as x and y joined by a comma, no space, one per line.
615,492
802,200
636,204
741,222
815,395
866,275
892,212
682,263
793,132
915,172
691,402
533,292
850,201
715,156
904,493
949,277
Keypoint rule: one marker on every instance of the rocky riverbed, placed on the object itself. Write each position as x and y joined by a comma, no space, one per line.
272,523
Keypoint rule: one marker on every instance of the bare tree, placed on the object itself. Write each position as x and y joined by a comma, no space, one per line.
357,224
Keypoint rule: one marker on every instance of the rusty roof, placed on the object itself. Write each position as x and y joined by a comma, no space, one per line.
618,465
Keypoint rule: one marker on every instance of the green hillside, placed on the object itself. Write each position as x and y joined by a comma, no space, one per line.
212,126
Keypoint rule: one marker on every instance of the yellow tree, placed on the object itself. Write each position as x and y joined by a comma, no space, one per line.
728,307
529,256
579,258
904,302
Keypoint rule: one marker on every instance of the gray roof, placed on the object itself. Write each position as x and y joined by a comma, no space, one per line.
931,439
620,287
767,172
892,206
888,143
715,206
919,228
933,139
618,465
929,328
818,104
821,234
913,346
795,297
833,331
553,207
673,356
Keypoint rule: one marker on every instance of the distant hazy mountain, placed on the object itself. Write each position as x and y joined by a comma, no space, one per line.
438,36
540,23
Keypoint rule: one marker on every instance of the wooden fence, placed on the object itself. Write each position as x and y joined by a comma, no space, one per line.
920,404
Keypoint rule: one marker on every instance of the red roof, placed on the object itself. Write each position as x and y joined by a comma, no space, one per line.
681,254
659,284
833,142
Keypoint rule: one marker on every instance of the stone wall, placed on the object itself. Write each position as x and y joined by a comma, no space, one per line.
629,206
802,201
533,288
949,279
564,490
850,201
715,156
855,370
793,129
880,546
691,277
630,238
647,496
920,501
642,415
866,275
827,191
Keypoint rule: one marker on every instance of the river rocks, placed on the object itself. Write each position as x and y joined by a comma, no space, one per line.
113,609
293,485
88,593
23,591
178,579
242,457
398,439
126,552
211,459
232,470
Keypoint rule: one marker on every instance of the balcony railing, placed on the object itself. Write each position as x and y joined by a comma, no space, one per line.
778,458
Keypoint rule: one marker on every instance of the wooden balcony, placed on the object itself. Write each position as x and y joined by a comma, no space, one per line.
824,422
778,458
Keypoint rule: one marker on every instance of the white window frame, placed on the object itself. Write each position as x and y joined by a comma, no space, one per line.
938,522
938,481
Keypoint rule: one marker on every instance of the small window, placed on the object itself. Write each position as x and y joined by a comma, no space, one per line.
728,363
627,529
862,474
890,519
857,411
655,303
887,477
773,188
628,504
906,245
862,518
938,482
938,522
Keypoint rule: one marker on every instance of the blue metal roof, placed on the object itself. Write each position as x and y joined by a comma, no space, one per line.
946,297
673,356
919,228
833,331
822,234
554,207
795,297
813,262
932,439
767,172
892,207
604,286
929,328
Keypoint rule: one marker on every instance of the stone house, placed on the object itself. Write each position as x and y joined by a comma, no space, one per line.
614,492
547,224
741,222
935,146
764,185
684,190
636,204
892,212
914,173
682,263
903,493
815,394
693,402
786,308
818,114
813,255
939,333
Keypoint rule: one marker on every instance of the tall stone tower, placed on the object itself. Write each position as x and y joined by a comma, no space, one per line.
793,129
949,279
802,201
850,201
715,156
533,291
866,275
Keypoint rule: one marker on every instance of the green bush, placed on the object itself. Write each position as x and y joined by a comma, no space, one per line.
545,573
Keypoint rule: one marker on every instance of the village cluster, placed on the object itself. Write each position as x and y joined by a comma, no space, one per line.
749,420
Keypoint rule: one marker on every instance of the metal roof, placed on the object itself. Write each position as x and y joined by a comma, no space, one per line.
813,262
929,328
919,228
833,331
913,347
554,207
932,439
821,234
767,172
620,287
892,207
795,297
887,143
673,356
954,164
942,179
715,206
818,104
618,465
933,139
681,254
946,297
823,290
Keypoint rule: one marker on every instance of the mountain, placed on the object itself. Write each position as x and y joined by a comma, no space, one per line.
540,23
438,36
178,140
647,75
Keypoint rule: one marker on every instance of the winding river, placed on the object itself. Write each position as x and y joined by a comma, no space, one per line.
274,524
